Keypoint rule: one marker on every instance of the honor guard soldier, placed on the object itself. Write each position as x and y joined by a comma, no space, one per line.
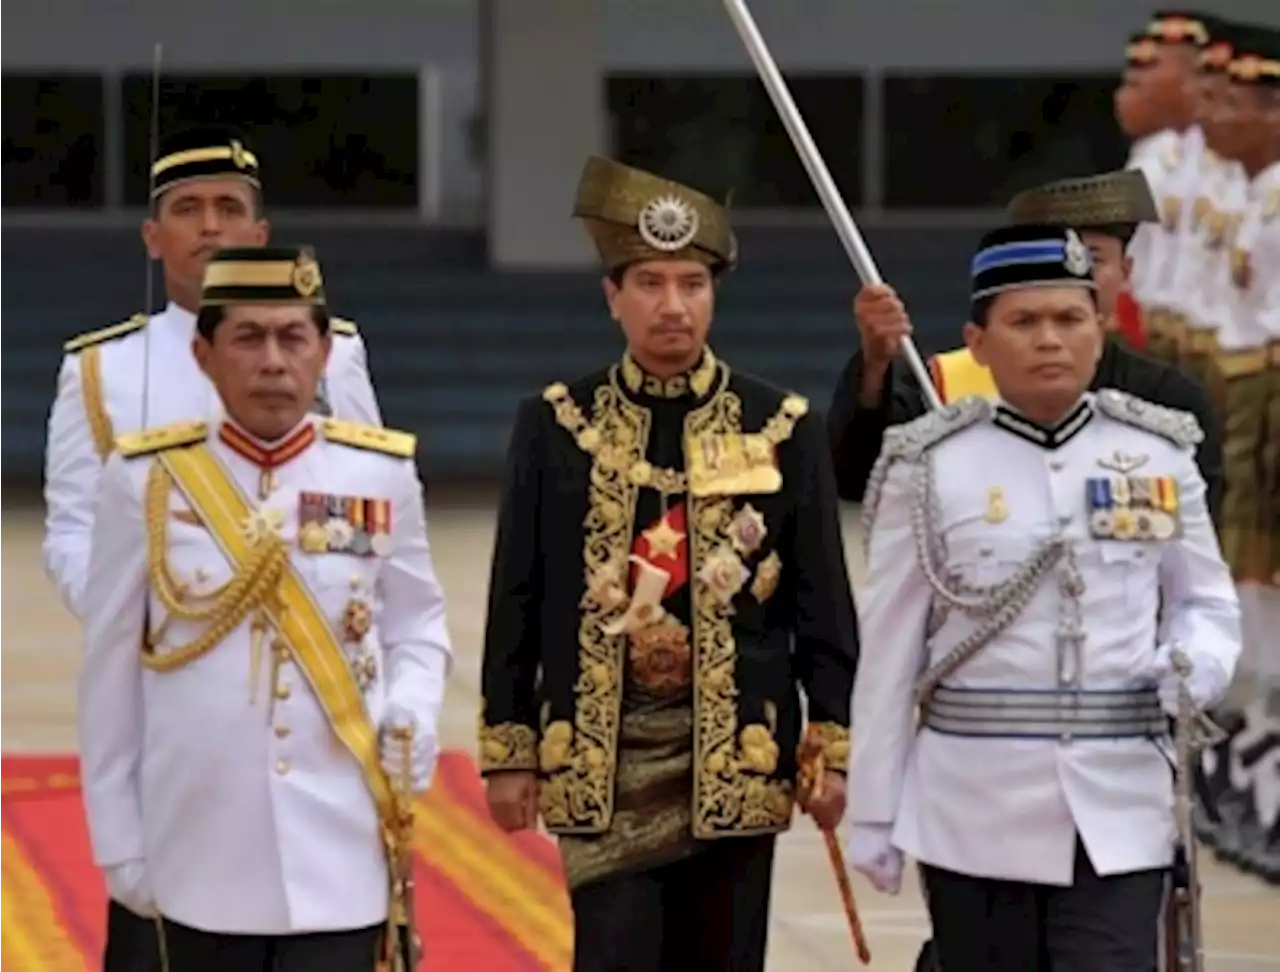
1184,206
668,574
1209,214
207,193
266,652
1247,343
1156,108
1019,555
874,391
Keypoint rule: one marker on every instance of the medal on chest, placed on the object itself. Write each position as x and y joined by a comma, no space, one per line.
1133,507
353,525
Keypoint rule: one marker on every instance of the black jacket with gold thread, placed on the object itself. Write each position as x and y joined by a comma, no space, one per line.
763,625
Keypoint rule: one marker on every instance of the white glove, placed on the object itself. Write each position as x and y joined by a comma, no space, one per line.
127,883
423,754
872,855
1207,682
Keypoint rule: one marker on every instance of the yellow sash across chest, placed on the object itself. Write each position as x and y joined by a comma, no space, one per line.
221,506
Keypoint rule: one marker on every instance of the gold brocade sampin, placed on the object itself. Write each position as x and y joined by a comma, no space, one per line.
733,464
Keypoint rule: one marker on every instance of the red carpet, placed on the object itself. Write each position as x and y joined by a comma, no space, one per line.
486,901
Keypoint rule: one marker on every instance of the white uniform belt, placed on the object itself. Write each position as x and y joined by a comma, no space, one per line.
1050,714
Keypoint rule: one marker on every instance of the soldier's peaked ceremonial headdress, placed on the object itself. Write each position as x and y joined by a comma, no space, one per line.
634,215
263,275
203,153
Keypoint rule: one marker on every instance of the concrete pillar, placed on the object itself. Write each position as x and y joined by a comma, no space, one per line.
544,91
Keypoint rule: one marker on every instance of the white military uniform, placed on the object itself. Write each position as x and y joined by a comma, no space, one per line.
101,395
1159,156
223,774
990,798
1254,327
1175,197
1203,265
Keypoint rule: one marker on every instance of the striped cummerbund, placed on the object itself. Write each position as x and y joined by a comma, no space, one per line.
1050,714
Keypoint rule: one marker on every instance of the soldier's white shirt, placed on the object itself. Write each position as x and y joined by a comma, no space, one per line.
149,378
1167,287
249,813
1010,808
1255,297
1203,262
1158,156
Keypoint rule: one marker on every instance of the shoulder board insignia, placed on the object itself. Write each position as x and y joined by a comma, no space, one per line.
79,343
374,438
150,441
912,439
340,325
1180,428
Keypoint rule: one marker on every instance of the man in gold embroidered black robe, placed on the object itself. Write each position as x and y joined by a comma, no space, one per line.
668,578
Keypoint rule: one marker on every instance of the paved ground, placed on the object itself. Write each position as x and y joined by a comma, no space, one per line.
40,651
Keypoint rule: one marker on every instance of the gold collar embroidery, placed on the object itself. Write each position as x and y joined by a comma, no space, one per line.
698,380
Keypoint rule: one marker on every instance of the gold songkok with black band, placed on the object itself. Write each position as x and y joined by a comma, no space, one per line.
1121,198
263,275
634,216
203,153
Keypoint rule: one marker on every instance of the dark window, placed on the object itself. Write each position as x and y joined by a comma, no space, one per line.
961,141
53,137
328,141
719,133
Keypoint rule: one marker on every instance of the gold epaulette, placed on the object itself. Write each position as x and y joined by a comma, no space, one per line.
150,441
340,325
375,438
135,323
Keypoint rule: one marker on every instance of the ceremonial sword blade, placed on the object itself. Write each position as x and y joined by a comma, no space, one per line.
846,229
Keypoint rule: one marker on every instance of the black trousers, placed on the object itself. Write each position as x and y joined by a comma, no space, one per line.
132,943
192,950
705,913
1098,924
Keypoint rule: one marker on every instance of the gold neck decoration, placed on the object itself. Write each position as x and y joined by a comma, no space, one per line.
698,379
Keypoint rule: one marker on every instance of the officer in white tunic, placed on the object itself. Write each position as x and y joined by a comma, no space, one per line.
1019,554
266,651
207,194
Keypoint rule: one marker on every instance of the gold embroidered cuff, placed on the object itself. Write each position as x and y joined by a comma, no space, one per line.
508,746
835,745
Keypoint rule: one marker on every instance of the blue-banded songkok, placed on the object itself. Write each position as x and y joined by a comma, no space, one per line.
1030,255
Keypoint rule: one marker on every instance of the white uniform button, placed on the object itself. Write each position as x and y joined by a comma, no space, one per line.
1064,519
282,732
1057,465
283,691
282,766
